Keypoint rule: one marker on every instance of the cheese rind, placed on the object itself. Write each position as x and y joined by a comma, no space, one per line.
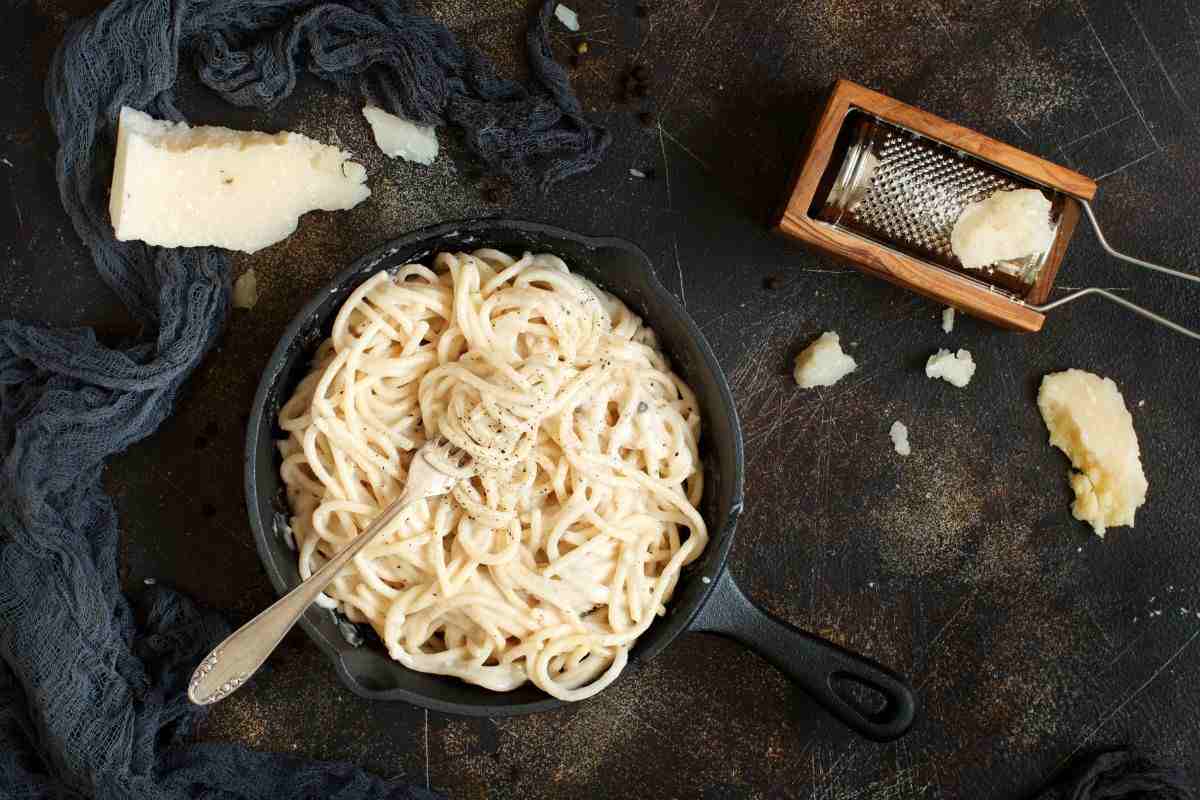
180,186
399,138
1088,420
823,363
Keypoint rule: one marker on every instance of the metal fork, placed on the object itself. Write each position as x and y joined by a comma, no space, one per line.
434,470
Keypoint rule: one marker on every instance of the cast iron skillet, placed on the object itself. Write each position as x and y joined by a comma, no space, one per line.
864,695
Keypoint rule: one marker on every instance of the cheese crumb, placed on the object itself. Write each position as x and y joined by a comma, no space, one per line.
823,363
957,368
899,434
948,320
1005,226
1088,420
245,290
567,17
399,138
178,186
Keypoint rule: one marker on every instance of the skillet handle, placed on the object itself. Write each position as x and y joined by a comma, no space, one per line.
822,669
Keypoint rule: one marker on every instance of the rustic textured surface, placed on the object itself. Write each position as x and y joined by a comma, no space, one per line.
1027,637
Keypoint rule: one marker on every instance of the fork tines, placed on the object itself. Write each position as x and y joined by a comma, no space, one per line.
450,451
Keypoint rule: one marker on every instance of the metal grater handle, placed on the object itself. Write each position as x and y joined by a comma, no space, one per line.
1134,307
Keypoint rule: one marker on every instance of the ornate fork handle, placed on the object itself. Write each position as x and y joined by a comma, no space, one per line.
234,660
238,657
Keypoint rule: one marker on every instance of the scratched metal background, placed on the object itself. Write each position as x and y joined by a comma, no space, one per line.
1028,638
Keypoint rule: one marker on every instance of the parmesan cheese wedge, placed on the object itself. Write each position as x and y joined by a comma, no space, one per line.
178,186
1088,420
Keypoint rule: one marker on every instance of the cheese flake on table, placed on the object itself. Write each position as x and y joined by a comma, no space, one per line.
399,138
567,17
1005,226
899,434
245,290
956,369
823,363
180,186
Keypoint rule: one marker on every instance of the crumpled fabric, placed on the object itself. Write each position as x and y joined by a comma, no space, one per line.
1120,773
92,697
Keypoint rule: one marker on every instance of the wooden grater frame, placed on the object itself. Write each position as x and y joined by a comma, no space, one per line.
922,277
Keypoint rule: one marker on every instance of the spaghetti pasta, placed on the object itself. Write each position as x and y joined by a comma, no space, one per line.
562,550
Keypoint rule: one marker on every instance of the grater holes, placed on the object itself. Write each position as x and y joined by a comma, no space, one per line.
905,192
918,193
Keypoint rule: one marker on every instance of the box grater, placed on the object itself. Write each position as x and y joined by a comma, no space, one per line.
883,183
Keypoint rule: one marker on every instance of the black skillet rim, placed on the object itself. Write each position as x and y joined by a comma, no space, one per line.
262,529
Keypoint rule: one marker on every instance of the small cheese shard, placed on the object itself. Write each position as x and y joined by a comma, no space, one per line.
245,290
178,186
823,363
948,320
1005,226
398,137
955,368
899,434
1088,420
567,17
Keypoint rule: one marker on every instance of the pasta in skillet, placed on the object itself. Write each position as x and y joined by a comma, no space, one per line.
566,546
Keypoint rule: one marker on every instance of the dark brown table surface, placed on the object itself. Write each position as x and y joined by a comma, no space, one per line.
1028,638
